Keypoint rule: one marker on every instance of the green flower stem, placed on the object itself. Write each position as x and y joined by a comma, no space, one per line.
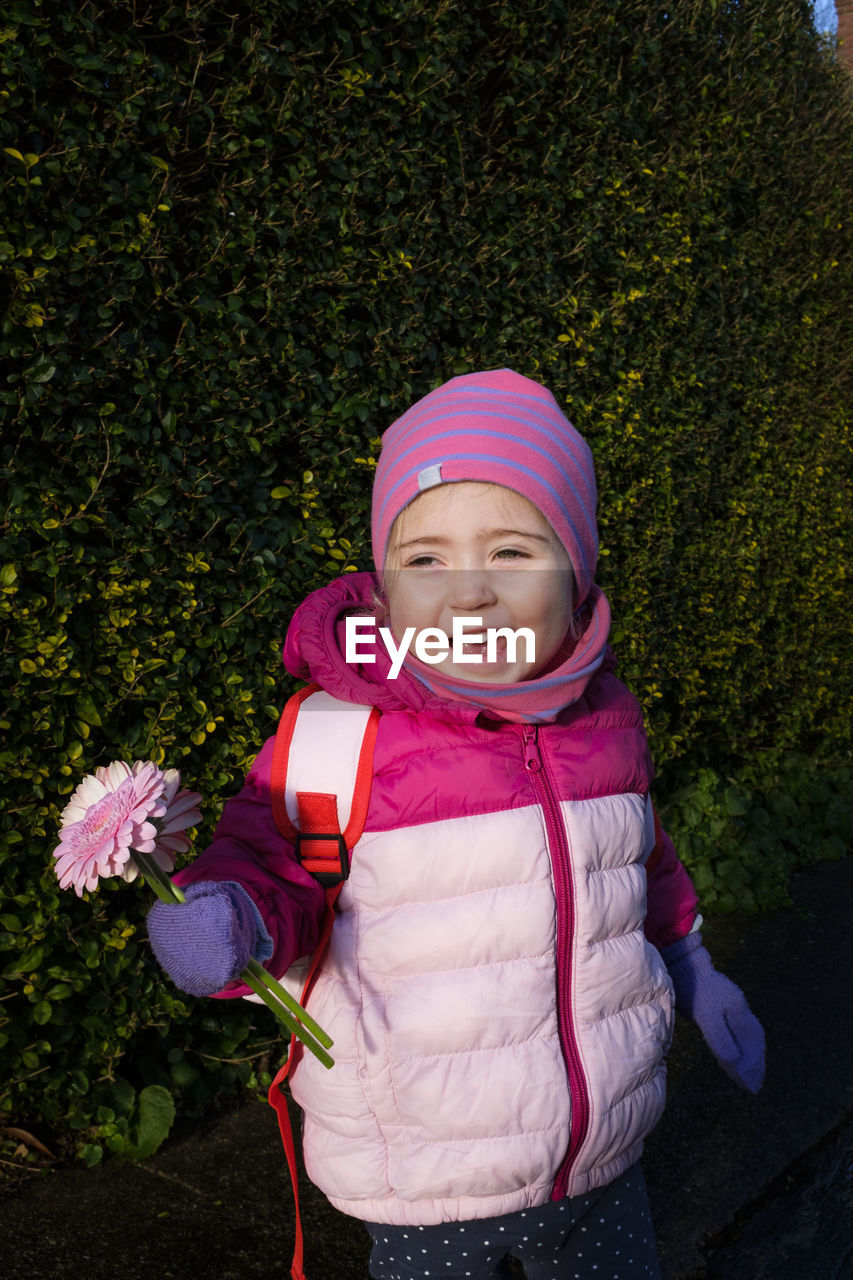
262,989
157,879
281,993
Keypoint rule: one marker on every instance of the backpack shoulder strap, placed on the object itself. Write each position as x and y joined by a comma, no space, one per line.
322,772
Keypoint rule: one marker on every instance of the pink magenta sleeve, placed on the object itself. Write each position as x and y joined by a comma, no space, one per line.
671,898
248,848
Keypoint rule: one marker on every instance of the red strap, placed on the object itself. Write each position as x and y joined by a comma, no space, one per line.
279,1102
363,782
280,755
318,814
276,1097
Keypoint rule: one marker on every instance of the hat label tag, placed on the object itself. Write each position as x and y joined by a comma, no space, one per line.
429,477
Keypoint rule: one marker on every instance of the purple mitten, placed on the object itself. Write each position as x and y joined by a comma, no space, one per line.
206,941
732,1033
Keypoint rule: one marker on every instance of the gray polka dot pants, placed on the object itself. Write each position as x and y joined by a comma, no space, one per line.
605,1235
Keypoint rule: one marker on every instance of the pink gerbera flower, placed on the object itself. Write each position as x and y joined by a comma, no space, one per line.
180,811
117,809
123,810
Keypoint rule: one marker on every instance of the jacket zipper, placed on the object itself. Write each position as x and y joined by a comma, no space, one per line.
565,908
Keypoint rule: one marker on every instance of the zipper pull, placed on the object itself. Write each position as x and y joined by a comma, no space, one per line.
530,739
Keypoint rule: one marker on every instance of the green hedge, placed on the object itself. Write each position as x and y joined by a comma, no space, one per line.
236,241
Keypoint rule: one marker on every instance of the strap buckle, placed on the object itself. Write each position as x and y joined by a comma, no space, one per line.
327,877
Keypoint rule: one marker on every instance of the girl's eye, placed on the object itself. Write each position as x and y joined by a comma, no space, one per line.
424,561
512,553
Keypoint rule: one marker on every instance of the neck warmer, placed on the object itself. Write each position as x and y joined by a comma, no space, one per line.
540,699
315,651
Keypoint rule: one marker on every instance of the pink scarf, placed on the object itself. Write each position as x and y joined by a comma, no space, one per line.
315,650
542,698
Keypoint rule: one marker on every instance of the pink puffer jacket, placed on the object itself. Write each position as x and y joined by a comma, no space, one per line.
493,986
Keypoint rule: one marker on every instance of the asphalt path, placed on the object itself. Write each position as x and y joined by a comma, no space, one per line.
741,1188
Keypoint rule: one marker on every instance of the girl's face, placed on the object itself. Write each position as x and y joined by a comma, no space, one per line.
479,550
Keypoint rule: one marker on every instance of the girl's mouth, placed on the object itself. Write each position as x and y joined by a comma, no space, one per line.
491,651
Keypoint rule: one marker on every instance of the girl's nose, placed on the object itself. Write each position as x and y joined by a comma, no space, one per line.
471,589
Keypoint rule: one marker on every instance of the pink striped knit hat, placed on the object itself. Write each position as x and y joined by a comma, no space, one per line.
497,428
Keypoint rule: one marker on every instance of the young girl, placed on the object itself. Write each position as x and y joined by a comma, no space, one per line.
515,926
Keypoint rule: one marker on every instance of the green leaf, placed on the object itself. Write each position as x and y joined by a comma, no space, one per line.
122,1095
156,1114
59,991
42,1012
87,710
736,804
32,959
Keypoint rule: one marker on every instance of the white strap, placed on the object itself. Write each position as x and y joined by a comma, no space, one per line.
324,751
